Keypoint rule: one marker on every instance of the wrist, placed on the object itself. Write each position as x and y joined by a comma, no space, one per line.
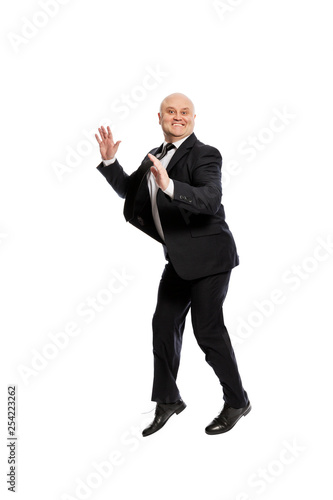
165,185
109,162
170,189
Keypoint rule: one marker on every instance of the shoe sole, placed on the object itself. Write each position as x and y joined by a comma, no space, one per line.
229,429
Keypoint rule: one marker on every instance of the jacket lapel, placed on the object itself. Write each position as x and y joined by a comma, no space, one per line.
137,179
182,150
136,191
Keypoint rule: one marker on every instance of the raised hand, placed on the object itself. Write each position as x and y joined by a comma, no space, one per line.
161,175
107,146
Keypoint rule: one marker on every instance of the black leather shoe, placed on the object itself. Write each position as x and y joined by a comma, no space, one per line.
163,412
227,419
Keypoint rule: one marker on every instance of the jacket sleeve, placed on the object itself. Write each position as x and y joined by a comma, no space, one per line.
115,176
204,194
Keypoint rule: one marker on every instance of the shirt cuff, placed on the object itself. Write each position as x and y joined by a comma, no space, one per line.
170,189
109,162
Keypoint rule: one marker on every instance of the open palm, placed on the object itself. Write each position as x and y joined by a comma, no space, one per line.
107,146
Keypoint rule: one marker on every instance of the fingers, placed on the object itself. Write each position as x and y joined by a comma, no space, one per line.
103,133
156,162
161,176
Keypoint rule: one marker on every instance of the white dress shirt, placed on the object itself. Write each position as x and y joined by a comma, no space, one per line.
153,187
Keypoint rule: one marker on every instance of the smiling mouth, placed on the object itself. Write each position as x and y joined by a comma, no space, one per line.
178,125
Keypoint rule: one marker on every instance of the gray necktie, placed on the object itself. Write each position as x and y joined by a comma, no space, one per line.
137,179
166,149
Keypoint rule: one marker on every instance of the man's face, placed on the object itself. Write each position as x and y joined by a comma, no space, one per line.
176,118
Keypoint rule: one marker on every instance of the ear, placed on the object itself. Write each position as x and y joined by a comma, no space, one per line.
159,118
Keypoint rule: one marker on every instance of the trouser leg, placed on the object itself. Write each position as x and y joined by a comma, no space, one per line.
207,297
173,302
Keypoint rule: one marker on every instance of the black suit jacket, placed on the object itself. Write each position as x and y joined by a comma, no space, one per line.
198,241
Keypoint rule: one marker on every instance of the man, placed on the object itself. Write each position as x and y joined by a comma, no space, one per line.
175,197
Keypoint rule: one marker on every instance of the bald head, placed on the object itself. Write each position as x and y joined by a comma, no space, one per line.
176,117
177,97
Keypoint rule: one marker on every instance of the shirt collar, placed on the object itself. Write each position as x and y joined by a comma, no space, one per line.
177,143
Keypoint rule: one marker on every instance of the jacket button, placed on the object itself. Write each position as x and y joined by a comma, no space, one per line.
141,221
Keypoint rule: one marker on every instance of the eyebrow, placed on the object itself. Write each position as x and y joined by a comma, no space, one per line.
171,107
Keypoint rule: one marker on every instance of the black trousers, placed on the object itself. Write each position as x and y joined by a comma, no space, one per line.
205,297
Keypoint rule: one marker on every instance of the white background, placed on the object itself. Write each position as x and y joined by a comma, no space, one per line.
63,237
